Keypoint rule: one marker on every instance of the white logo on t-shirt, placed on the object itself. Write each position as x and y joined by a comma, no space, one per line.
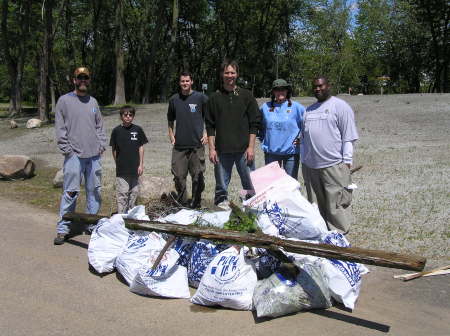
193,107
133,135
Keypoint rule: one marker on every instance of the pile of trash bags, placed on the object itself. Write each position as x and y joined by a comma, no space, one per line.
236,277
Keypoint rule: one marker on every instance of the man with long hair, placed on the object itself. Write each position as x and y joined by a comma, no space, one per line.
232,122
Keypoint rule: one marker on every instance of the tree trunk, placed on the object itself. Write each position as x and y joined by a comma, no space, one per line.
153,48
43,87
120,57
44,64
170,58
14,51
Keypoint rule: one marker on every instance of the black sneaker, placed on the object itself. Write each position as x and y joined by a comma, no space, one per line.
60,239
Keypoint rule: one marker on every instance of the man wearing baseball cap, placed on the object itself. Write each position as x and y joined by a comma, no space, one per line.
81,139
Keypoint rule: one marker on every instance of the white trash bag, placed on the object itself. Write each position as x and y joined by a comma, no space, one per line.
313,280
167,262
182,217
344,277
138,212
186,217
278,295
173,284
229,281
137,253
216,218
108,240
283,211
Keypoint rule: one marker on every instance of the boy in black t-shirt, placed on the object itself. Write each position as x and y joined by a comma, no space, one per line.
127,142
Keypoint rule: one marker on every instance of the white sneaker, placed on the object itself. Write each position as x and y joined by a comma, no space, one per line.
225,205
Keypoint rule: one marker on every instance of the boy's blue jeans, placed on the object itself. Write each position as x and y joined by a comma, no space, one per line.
290,163
222,173
74,168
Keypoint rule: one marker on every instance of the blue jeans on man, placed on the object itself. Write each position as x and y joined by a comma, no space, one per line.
290,163
74,168
222,173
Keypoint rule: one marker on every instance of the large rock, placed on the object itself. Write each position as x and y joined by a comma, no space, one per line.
58,179
16,166
34,123
152,187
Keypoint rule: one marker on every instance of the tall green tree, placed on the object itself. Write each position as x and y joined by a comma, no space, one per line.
45,59
435,17
120,54
15,36
390,42
325,45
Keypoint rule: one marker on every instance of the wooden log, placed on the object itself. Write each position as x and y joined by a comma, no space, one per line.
354,170
168,244
360,255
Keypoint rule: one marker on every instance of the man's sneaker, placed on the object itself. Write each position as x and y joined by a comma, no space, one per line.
60,239
225,205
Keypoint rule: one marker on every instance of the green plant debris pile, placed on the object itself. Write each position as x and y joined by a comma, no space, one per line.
241,221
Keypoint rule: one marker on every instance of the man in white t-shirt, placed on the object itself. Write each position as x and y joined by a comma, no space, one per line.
329,131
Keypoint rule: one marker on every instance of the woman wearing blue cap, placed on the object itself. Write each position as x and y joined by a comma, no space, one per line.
281,126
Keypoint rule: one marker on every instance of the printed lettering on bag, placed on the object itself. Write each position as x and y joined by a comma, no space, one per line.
201,254
193,107
184,249
349,269
277,216
226,270
138,243
336,239
159,271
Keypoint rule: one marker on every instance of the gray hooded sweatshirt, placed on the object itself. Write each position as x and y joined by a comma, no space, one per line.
79,126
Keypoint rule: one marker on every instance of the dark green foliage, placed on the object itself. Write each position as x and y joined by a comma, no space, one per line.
406,40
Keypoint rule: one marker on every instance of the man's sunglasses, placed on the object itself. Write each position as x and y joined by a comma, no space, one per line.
83,77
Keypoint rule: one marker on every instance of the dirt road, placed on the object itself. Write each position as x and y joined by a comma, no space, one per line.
48,290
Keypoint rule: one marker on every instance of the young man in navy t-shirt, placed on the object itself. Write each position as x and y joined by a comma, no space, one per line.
185,116
127,142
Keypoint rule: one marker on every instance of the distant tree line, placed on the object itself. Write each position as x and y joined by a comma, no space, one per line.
135,48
